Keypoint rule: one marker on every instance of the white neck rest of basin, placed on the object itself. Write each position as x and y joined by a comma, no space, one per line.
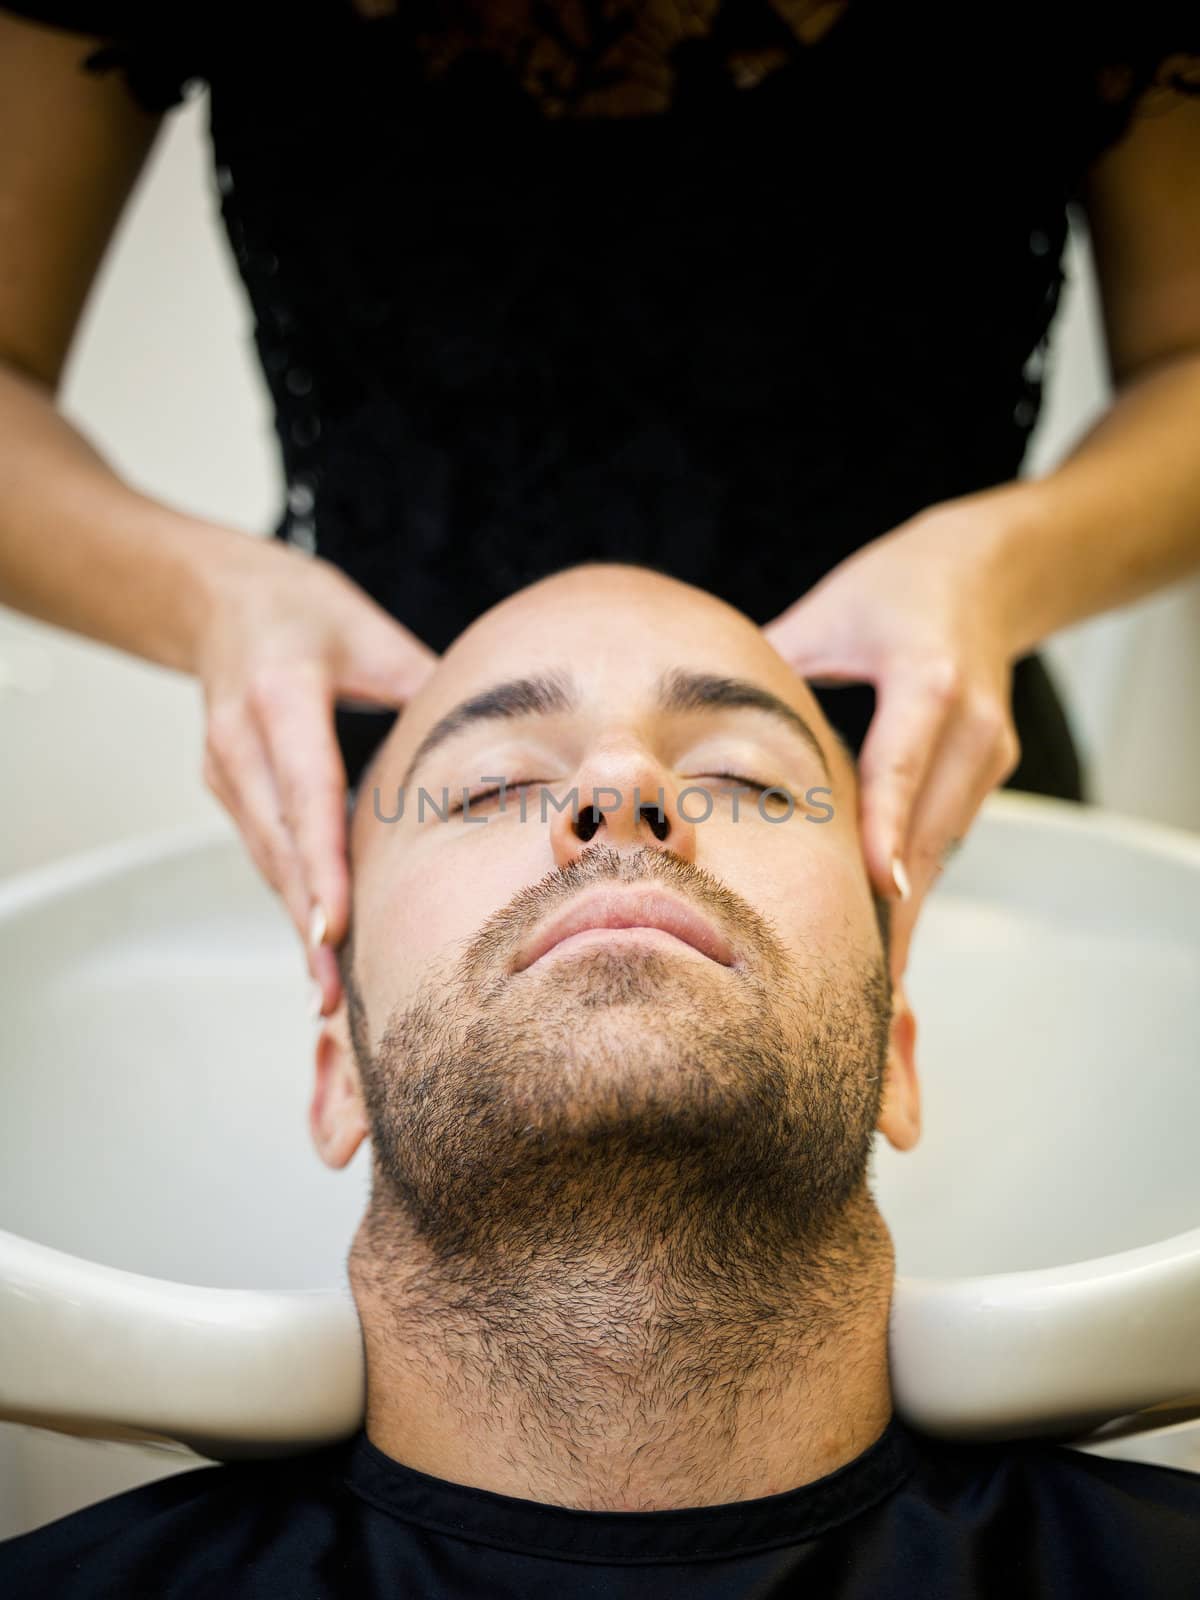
231,1373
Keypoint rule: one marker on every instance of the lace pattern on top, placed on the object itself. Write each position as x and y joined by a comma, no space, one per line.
605,58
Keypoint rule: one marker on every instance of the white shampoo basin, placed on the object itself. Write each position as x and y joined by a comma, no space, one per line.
172,1260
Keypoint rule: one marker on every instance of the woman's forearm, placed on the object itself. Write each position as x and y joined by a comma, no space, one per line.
81,549
1117,519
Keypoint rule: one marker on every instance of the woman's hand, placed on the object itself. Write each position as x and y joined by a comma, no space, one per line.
286,635
916,613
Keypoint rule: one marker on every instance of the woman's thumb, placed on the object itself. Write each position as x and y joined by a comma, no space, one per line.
385,666
814,644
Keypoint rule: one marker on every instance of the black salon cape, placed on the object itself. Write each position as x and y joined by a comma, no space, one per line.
911,1518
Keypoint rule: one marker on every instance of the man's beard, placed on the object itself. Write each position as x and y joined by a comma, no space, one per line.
626,1121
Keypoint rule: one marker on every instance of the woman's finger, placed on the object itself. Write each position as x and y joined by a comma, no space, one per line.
912,706
977,751
237,771
295,719
389,665
323,964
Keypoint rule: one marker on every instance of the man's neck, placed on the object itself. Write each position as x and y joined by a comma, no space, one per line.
604,1387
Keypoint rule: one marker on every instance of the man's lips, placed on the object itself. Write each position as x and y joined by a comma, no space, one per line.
628,908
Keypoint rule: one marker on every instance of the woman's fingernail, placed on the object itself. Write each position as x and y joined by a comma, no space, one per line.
315,999
900,878
317,924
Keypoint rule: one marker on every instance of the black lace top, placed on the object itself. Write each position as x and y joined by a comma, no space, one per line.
727,287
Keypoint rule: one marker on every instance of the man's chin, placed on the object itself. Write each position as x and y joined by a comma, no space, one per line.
585,1029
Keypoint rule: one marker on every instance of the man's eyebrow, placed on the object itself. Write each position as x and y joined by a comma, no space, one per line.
546,693
700,691
518,697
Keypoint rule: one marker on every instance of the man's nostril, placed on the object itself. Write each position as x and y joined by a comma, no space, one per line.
657,820
588,822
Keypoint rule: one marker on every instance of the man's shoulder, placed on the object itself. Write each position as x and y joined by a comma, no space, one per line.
1056,1480
1129,1527
1061,1465
1118,1476
125,1543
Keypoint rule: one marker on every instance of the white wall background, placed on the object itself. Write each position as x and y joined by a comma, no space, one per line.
163,380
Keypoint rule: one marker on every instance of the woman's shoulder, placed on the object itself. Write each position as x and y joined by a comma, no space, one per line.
1064,77
1131,60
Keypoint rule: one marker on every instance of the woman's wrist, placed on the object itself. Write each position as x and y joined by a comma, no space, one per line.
1115,521
83,550
177,568
221,569
1001,544
1027,559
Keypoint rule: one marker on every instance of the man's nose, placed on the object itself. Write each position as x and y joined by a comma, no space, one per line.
626,800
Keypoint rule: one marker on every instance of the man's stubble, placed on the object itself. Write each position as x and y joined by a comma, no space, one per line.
626,1158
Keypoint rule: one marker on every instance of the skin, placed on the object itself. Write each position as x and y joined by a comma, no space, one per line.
621,1253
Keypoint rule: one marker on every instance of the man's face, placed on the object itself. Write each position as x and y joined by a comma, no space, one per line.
748,1056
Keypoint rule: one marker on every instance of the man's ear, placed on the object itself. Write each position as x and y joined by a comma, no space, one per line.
337,1117
900,1115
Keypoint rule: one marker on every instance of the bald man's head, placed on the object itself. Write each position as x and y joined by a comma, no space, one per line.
636,989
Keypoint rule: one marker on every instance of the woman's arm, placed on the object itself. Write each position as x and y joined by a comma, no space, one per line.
274,636
1120,516
78,547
